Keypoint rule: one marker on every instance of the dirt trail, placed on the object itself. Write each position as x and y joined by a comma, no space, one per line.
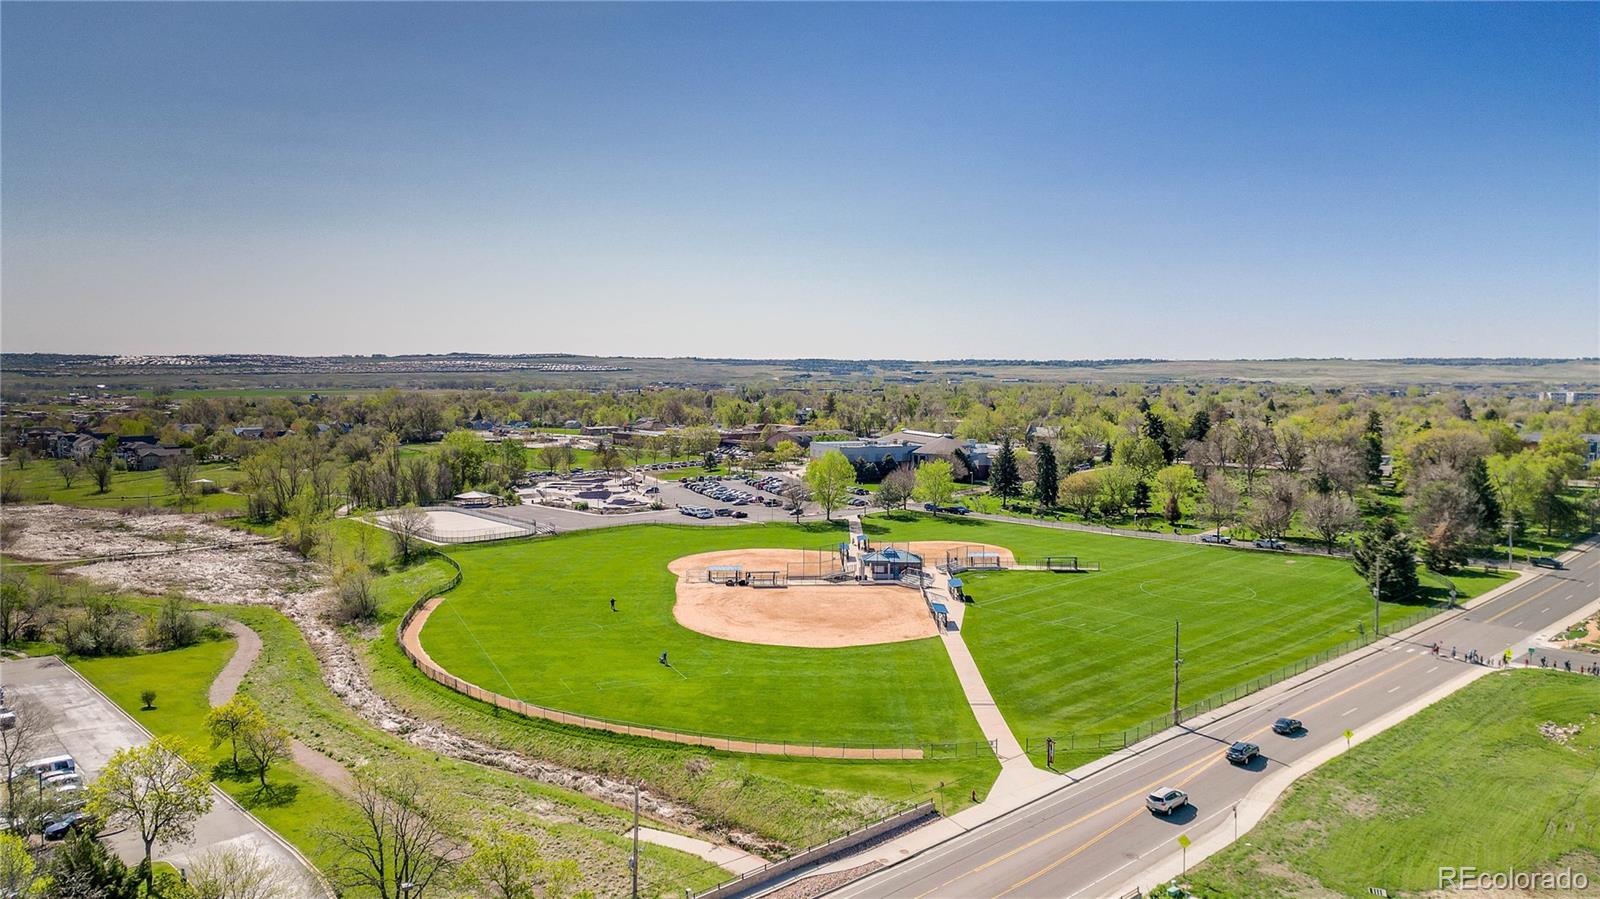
271,576
227,684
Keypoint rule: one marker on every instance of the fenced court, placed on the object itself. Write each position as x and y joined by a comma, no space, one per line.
451,526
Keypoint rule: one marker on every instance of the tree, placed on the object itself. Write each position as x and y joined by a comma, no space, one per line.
787,451
830,479
1173,511
18,879
226,723
1445,514
101,463
1141,454
147,699
1117,485
1004,481
1331,516
1274,511
69,469
238,872
180,470
935,483
266,744
23,604
1291,448
402,842
1490,515
176,624
506,864
1253,448
157,789
1046,479
83,868
606,458
21,742
1080,490
1335,466
1384,558
409,528
1141,499
1220,502
896,489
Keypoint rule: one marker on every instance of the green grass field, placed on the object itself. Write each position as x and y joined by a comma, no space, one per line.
129,489
1468,781
530,620
1092,652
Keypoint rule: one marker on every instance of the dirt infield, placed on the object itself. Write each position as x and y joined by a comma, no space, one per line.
817,616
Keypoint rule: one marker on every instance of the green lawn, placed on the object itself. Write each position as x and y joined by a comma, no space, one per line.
129,489
1092,652
1468,781
530,620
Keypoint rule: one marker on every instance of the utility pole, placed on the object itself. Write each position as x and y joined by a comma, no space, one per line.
1177,665
634,862
1377,591
1511,535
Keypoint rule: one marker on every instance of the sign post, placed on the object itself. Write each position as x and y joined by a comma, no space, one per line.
1183,843
1348,733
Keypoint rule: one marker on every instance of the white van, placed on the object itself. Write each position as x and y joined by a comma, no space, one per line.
55,764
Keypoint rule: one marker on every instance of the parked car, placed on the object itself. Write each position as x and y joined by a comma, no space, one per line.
740,513
1287,726
59,828
1166,800
1547,562
723,513
929,507
1221,539
1269,543
857,501
1242,753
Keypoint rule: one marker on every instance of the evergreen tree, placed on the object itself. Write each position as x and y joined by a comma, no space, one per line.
1199,426
1156,430
1385,559
1141,498
1490,515
1106,456
1004,480
1046,480
1372,446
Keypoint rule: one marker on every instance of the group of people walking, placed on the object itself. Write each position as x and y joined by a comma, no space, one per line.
1473,657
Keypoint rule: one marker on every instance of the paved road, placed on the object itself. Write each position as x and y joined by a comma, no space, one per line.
87,726
1091,838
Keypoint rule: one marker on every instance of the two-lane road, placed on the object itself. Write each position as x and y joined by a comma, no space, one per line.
1088,839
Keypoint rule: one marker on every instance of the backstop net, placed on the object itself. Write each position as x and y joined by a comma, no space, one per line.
824,563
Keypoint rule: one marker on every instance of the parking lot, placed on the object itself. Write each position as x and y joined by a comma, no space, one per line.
672,494
90,728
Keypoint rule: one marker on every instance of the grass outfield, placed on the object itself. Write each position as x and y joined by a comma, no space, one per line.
1468,781
1092,652
530,620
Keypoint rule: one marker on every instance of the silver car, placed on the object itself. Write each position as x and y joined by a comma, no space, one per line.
1166,800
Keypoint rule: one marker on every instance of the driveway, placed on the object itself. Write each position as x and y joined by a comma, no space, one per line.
89,727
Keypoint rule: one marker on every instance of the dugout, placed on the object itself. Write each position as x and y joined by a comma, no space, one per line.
889,563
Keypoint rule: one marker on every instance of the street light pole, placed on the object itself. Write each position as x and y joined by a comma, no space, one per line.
634,862
1177,665
1377,591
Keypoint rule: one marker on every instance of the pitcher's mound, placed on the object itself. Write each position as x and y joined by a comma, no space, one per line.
813,615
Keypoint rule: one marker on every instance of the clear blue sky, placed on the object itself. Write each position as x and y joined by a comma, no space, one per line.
1045,181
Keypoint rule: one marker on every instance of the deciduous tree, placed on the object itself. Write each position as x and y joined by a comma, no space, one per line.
157,789
830,479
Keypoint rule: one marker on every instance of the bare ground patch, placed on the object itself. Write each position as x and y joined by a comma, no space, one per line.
52,533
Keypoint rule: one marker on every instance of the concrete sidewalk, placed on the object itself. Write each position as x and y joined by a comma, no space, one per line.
735,860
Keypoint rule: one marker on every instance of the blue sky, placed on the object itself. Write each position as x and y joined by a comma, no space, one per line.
1042,181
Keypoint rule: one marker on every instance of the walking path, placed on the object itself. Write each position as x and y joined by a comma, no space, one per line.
1017,772
227,684
736,860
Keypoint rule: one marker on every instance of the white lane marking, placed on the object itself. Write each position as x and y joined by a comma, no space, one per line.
1392,689
1547,608
1411,650
1516,624
1431,670
1349,710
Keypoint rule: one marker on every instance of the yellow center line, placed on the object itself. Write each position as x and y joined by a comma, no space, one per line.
1205,763
1520,604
